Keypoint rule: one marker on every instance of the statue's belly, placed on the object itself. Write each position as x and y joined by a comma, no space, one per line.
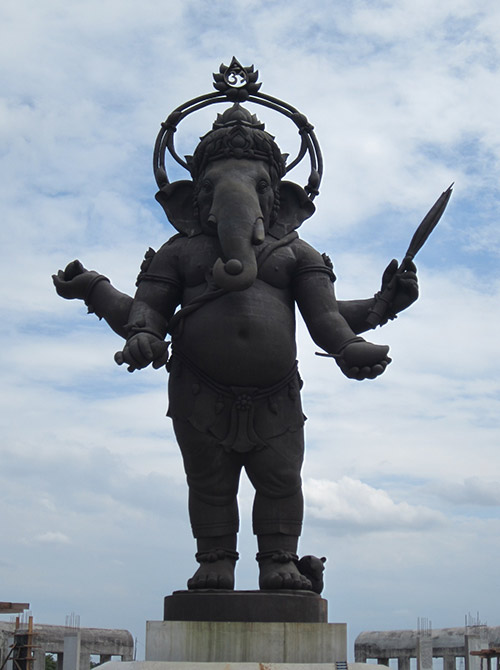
244,338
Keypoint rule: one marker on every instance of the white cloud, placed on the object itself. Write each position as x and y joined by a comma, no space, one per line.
354,506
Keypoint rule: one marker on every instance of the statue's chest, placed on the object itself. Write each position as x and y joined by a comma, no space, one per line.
276,267
197,259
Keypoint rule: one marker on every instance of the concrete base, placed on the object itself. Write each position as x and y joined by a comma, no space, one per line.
159,665
243,642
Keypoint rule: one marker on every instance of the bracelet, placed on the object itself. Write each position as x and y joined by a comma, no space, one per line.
389,315
352,340
91,287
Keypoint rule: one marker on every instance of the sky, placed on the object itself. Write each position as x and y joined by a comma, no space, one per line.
402,474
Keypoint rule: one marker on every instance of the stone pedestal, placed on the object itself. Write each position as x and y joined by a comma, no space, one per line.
245,642
246,627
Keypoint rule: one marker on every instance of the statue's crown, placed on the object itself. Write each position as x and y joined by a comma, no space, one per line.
237,133
237,115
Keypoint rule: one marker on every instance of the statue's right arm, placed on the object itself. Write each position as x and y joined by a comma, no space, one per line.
158,294
100,296
143,320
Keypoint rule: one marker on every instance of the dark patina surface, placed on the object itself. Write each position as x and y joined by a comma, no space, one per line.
224,289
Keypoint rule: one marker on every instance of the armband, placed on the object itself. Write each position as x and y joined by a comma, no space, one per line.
161,279
91,287
315,268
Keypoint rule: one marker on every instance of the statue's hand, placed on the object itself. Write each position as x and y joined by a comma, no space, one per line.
363,360
141,350
74,281
401,285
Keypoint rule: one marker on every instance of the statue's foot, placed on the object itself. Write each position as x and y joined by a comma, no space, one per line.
278,570
216,570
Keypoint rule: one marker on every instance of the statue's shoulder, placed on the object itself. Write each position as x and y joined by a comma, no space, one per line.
165,261
303,250
310,259
291,247
175,239
178,244
187,257
190,243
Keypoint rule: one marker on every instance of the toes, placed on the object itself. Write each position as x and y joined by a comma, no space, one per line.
285,579
305,583
274,581
290,580
296,581
207,581
211,580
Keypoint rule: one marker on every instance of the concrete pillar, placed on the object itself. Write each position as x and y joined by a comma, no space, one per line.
104,658
424,652
84,661
359,655
403,663
449,662
38,657
383,660
59,660
474,642
71,654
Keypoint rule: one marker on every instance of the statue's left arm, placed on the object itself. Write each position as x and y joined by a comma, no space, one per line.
315,296
403,292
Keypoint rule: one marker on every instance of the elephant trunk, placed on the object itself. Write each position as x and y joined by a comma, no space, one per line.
240,226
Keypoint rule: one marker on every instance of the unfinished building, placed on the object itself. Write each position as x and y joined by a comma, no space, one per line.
71,647
453,645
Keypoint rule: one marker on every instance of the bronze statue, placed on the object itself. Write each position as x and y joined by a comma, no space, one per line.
236,269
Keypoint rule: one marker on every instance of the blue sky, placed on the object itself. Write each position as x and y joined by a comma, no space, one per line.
402,475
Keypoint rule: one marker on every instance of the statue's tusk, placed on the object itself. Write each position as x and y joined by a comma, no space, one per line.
259,233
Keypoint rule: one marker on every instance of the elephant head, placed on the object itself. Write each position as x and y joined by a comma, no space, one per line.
236,194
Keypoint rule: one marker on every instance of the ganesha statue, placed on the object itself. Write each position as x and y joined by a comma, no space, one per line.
224,290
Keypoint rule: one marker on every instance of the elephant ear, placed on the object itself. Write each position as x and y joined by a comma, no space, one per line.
177,201
295,207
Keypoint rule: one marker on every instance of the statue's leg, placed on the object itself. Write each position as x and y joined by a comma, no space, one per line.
278,510
213,478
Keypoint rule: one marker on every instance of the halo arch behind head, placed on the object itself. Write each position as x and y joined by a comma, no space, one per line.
235,83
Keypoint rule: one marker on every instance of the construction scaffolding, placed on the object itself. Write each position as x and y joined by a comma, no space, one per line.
22,650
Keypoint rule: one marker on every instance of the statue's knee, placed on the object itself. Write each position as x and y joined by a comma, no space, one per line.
213,496
277,484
